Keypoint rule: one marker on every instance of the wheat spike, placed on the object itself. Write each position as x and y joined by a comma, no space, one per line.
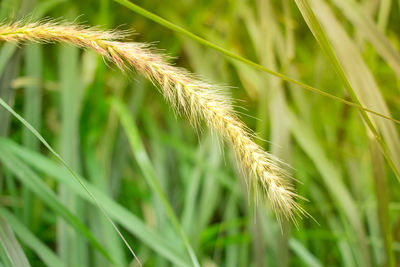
197,99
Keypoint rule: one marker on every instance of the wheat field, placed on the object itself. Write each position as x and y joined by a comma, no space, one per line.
199,133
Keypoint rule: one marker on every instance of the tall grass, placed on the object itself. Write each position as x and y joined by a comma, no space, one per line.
172,191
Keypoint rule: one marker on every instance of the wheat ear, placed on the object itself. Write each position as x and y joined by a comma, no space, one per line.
198,100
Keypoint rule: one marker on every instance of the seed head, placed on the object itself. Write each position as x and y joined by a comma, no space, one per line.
188,95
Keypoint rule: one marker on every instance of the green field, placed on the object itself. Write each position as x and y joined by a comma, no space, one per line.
101,167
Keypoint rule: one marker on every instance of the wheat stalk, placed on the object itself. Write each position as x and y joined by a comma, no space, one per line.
197,99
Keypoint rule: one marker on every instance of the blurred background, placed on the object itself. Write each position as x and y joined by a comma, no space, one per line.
174,191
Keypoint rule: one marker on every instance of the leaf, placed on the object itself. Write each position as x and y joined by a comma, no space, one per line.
226,52
354,75
32,181
382,195
148,171
30,240
368,28
333,182
120,214
298,248
11,247
74,175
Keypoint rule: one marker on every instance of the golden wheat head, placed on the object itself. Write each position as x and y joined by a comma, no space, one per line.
197,99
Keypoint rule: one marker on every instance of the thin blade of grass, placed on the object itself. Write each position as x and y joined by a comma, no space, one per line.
9,67
70,245
32,181
370,30
7,50
334,184
32,113
12,248
98,224
384,13
305,255
226,52
74,175
343,244
382,196
210,191
363,84
122,215
149,173
349,74
231,214
30,240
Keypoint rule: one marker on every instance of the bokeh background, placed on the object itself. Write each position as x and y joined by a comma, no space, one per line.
164,183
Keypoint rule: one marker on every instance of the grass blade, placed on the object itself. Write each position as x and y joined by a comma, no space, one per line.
149,173
74,175
370,30
348,73
32,111
32,181
334,184
70,246
30,240
303,253
381,191
11,247
9,67
226,52
120,214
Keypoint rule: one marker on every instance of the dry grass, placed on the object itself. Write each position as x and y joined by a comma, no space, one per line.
198,100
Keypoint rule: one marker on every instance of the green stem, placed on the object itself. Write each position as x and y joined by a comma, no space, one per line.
230,54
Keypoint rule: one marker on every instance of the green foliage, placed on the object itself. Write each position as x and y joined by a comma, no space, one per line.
93,159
